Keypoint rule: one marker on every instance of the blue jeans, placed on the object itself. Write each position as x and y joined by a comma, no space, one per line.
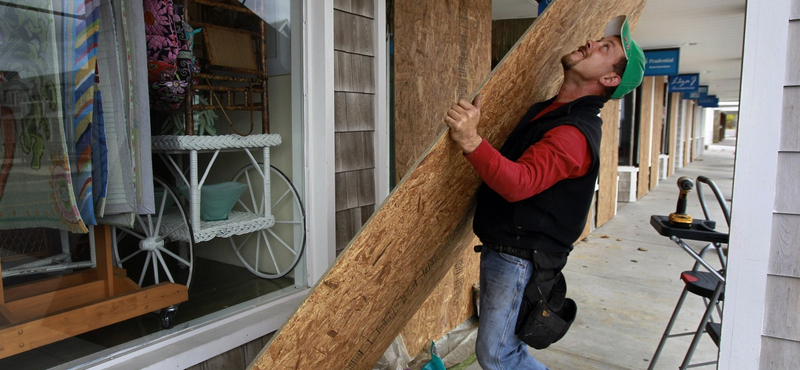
503,279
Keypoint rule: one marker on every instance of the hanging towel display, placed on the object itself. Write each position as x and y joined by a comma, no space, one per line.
99,155
133,21
126,111
74,112
79,62
111,59
38,189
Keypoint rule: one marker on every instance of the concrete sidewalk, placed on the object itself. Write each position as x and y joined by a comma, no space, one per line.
625,280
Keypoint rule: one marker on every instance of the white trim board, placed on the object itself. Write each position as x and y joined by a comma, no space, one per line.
763,68
318,104
381,105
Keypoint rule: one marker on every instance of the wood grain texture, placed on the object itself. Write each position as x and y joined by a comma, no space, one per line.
344,5
354,150
785,256
354,112
348,222
354,116
405,249
448,306
459,27
34,288
793,55
353,72
790,121
787,191
609,164
782,299
779,354
62,299
355,189
352,33
674,121
658,118
364,8
442,53
30,334
688,132
645,137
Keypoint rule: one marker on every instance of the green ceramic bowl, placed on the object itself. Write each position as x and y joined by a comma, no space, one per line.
216,200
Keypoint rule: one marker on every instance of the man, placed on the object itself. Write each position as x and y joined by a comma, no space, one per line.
538,188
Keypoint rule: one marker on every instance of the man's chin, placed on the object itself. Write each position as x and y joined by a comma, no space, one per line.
567,62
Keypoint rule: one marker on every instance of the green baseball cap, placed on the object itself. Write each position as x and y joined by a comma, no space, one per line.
634,72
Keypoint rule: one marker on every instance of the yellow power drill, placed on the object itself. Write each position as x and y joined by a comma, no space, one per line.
679,219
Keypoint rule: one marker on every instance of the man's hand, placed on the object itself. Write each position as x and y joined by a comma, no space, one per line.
463,118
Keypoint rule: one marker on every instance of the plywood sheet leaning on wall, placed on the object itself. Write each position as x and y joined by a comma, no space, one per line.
609,162
442,51
448,305
399,256
645,137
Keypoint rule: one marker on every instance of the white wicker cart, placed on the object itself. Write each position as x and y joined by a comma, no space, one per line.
268,240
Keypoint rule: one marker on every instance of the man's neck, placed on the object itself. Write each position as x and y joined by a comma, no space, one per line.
571,90
568,95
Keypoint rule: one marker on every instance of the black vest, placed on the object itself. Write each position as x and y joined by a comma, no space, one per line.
553,219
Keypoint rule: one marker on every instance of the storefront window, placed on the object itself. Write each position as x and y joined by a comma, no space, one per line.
151,170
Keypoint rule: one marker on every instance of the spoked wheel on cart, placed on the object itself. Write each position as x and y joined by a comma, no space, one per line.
273,252
159,248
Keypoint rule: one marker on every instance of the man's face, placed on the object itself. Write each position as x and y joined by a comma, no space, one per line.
595,58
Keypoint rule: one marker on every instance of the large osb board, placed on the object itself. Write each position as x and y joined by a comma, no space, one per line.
448,306
425,87
442,53
609,162
404,250
645,137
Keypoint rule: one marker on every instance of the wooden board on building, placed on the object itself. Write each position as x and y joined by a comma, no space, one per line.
609,164
424,88
674,121
645,137
448,306
658,123
442,53
354,116
688,133
407,247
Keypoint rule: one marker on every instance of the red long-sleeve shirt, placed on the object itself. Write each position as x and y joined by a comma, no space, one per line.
561,154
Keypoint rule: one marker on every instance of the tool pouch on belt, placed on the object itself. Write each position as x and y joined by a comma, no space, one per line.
542,321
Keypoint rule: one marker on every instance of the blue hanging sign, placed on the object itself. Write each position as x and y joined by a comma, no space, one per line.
701,93
684,83
543,4
710,101
661,62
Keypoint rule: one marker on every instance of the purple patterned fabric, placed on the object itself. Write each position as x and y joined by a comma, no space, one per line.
168,95
158,16
161,35
171,64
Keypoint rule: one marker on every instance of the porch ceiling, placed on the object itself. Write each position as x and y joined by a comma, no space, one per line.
709,34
